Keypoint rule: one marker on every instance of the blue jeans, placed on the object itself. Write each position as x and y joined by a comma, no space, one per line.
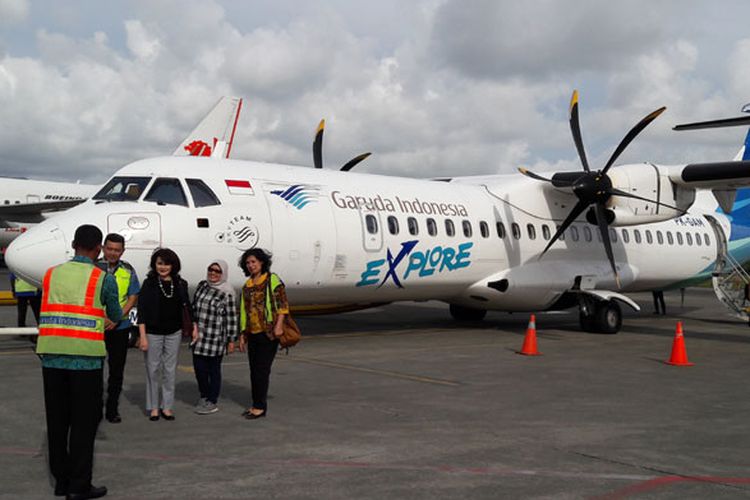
208,374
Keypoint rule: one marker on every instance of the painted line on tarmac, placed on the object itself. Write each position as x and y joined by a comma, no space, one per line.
660,482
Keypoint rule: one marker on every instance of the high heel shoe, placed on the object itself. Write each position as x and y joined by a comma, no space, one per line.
253,416
153,418
169,417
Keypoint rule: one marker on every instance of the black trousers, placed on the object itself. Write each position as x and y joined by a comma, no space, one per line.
73,405
22,303
208,374
117,353
260,353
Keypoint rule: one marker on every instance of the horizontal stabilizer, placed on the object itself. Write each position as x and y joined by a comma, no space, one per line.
725,122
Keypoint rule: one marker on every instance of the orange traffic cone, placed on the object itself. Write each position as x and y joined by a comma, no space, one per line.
529,343
679,354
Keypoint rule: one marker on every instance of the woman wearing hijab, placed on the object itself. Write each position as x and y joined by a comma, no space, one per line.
216,317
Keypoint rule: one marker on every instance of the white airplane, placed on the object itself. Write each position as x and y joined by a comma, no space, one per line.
498,242
26,202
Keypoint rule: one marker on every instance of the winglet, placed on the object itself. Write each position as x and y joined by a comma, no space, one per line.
214,135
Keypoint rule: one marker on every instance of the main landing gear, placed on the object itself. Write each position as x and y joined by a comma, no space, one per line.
600,316
461,313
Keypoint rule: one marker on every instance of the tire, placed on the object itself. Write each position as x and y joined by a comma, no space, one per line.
608,317
586,321
461,313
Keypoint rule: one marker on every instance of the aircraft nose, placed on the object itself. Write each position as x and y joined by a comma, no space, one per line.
31,254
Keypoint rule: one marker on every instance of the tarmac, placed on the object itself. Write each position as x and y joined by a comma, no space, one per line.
403,402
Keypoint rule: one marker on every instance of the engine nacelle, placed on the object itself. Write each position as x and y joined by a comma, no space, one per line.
648,181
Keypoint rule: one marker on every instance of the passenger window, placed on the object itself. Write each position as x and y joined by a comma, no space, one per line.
466,225
167,191
531,230
613,235
670,239
392,225
431,227
625,236
500,227
706,240
545,232
372,224
202,194
450,229
562,235
698,239
649,238
574,233
689,238
516,231
413,226
122,189
659,238
679,238
637,236
484,229
586,233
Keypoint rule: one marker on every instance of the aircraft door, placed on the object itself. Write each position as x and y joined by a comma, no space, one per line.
372,230
304,234
141,230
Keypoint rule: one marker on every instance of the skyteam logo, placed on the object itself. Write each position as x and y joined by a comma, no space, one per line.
298,195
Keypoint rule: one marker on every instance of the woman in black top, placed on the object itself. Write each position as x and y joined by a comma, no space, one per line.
161,301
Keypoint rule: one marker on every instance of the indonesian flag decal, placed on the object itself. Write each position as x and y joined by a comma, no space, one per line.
239,187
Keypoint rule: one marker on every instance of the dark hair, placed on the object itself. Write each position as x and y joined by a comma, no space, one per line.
87,237
260,254
115,238
168,257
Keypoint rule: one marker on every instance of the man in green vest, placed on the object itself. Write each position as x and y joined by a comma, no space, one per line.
116,339
75,296
26,295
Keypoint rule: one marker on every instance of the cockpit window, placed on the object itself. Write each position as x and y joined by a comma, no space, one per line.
123,189
167,191
202,194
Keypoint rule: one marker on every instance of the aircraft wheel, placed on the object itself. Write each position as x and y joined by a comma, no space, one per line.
461,313
608,317
587,321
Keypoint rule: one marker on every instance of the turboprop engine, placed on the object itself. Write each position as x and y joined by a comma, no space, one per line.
658,199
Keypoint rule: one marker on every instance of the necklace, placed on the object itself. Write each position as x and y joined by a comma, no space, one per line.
171,288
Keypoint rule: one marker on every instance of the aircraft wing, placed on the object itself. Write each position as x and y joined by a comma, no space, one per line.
215,133
32,212
715,175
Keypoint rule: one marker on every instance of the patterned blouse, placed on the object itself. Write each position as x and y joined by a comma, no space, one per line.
216,315
254,297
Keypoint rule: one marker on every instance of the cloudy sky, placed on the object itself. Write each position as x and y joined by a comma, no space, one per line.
431,87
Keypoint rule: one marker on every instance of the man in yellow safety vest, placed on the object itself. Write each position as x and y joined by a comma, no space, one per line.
26,295
116,339
79,301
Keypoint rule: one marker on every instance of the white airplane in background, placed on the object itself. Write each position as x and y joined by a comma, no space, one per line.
26,202
513,242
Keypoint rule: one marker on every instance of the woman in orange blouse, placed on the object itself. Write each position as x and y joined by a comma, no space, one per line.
262,310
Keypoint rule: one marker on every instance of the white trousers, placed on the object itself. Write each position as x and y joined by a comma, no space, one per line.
161,367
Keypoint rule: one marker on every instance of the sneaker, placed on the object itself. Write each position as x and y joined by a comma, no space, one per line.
200,405
207,409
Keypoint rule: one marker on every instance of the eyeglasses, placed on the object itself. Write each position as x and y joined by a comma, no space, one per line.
214,270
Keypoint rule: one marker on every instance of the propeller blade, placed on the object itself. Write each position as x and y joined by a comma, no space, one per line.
625,194
631,135
350,164
318,145
577,210
529,173
601,221
575,128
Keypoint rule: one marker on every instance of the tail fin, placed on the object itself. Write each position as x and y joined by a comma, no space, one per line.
215,133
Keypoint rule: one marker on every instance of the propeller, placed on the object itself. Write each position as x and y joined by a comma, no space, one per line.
594,188
318,151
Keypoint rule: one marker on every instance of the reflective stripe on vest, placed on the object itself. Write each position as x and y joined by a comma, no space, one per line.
71,319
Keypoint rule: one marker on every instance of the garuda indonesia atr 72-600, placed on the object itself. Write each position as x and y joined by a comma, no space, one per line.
529,242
